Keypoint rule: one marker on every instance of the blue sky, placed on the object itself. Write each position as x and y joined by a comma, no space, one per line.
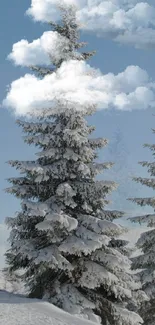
111,57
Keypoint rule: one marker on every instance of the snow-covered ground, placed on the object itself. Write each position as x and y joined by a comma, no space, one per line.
15,309
18,310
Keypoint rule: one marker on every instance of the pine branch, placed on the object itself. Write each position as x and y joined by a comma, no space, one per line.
42,71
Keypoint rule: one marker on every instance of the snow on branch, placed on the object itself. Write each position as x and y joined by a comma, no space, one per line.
147,218
100,226
144,201
150,182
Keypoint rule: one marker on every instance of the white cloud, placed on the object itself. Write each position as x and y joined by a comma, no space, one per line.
4,233
125,21
76,82
142,38
50,46
47,10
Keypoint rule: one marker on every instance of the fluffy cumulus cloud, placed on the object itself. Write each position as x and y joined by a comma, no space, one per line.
76,82
49,47
47,10
4,233
126,21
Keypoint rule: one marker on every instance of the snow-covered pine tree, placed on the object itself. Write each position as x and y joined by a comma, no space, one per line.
146,261
62,237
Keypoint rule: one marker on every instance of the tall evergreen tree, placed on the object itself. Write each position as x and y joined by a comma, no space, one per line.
146,261
63,237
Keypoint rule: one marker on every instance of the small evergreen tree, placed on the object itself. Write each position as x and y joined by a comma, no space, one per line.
146,261
63,237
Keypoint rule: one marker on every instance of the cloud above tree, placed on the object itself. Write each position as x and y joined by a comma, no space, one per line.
51,46
130,22
75,82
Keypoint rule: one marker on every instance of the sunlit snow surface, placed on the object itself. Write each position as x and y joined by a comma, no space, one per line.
18,310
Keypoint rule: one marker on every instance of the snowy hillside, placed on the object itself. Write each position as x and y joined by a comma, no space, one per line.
18,310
